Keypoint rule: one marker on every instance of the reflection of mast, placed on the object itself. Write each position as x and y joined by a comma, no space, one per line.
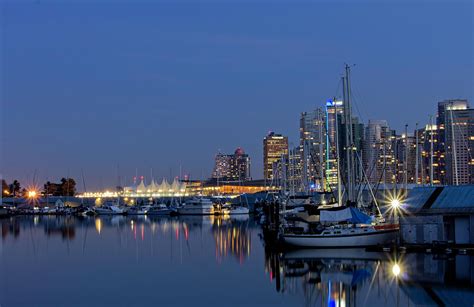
328,279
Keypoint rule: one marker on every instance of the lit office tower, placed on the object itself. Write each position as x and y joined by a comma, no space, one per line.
334,117
458,142
441,119
241,165
275,148
223,166
232,167
430,169
312,148
379,152
405,156
294,177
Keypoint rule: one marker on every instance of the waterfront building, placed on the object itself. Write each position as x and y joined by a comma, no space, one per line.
153,189
228,188
275,149
443,214
232,167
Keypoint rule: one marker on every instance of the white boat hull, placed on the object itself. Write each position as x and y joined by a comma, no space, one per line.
160,212
237,211
373,238
195,211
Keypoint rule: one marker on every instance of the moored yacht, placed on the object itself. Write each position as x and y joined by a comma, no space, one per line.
197,206
137,210
357,236
109,210
160,209
338,227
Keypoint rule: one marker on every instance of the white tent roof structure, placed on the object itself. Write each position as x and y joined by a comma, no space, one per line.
175,186
162,189
152,187
141,187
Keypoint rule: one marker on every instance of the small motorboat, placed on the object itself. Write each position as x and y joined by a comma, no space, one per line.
235,210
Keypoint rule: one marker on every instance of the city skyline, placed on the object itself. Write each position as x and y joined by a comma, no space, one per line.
136,116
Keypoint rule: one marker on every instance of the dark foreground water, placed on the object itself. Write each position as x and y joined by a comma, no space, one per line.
196,261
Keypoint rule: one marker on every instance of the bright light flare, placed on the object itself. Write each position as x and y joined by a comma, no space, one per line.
32,194
395,203
396,270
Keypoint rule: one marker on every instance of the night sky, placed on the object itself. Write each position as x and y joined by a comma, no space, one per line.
108,88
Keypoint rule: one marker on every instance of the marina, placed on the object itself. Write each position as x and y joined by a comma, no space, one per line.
246,153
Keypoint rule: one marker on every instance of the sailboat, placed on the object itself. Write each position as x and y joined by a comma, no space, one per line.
342,226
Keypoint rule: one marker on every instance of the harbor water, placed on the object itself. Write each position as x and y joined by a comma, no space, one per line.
208,261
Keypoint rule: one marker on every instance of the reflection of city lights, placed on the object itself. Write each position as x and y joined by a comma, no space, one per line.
231,240
98,225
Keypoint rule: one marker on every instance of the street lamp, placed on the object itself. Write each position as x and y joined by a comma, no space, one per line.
32,194
395,203
396,270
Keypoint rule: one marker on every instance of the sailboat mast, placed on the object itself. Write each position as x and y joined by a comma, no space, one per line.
338,164
431,150
453,148
321,169
406,159
349,135
416,153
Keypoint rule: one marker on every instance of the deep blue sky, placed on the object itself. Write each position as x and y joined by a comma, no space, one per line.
89,86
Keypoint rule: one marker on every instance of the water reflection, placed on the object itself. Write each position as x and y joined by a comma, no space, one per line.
231,236
356,277
165,252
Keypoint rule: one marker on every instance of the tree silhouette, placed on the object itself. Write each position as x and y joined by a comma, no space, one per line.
15,188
